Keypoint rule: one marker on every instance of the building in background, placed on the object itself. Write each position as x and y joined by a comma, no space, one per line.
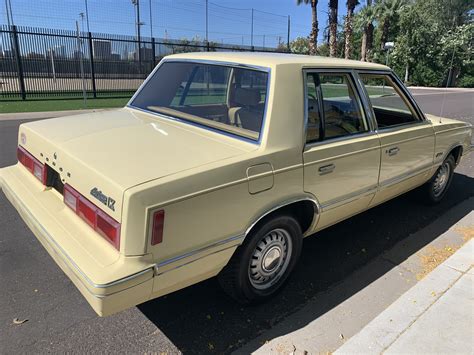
101,49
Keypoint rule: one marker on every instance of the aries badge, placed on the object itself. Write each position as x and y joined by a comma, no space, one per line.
108,201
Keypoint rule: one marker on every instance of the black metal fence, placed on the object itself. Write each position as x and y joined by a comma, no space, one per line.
38,62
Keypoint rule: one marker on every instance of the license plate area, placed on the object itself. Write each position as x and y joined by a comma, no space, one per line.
54,180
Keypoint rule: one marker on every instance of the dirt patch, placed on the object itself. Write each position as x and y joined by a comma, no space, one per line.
432,257
466,232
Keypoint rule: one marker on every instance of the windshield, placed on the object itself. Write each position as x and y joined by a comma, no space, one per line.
225,98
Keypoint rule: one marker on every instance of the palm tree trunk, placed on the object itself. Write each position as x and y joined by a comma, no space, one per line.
363,47
384,37
313,43
333,27
348,29
370,41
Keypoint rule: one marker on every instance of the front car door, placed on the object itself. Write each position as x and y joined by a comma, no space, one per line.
342,151
406,137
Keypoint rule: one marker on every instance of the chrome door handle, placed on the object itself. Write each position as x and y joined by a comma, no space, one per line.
393,151
326,169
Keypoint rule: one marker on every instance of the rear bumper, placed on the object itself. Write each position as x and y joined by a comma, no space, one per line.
109,281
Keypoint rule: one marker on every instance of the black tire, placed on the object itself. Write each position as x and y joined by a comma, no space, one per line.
433,190
238,279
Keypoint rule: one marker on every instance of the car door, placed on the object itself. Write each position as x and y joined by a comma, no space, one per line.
342,151
407,139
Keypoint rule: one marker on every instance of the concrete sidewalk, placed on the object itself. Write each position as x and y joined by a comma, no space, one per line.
435,316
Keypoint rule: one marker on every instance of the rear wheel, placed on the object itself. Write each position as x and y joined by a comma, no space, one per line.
261,265
439,184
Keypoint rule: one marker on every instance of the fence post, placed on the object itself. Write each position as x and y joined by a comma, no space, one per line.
207,46
21,77
153,51
91,61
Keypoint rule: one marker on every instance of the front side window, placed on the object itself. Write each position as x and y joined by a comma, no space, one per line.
229,99
390,105
333,107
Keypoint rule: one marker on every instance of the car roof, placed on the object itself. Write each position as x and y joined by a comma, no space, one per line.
268,59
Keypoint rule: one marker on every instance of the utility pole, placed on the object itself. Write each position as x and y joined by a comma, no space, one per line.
87,17
207,21
288,35
251,32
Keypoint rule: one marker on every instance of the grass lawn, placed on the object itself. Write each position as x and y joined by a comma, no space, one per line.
36,105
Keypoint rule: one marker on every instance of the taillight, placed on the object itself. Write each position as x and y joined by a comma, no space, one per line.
32,164
157,229
103,224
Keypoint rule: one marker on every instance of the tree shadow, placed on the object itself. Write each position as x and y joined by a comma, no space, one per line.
201,318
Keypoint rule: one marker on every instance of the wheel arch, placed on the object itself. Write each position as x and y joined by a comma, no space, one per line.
455,150
306,210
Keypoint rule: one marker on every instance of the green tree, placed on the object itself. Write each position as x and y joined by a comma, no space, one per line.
364,21
300,45
313,44
333,4
387,13
348,27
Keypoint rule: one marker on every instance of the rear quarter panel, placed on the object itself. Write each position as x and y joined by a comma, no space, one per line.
450,134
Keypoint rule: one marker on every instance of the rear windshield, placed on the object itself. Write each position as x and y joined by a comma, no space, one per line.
224,98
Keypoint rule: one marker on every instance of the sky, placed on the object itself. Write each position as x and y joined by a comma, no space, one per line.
229,20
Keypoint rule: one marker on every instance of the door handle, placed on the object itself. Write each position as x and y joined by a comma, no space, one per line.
392,151
326,169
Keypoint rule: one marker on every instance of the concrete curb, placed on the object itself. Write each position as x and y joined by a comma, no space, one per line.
441,89
393,323
46,114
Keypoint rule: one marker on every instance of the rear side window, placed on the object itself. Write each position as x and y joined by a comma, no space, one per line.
334,109
390,105
224,98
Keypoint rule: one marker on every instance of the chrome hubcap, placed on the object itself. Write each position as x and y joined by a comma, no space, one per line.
441,179
270,259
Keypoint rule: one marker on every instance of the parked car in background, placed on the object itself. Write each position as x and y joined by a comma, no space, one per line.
221,164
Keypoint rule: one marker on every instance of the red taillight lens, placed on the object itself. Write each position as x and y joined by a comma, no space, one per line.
32,164
106,226
87,211
158,224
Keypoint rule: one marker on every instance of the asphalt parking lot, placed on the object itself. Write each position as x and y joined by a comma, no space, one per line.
201,318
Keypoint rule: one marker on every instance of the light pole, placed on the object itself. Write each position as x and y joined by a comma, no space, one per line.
87,18
151,23
136,3
388,46
251,32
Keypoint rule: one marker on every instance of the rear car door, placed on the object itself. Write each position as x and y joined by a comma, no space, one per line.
342,151
407,138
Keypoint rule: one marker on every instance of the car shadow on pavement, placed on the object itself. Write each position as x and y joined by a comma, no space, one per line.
201,318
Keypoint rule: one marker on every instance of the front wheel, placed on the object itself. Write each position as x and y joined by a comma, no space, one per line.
439,184
261,265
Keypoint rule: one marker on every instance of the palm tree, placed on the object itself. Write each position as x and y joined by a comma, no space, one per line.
364,21
332,27
348,27
313,43
387,11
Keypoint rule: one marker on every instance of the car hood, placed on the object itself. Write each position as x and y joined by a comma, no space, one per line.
115,150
